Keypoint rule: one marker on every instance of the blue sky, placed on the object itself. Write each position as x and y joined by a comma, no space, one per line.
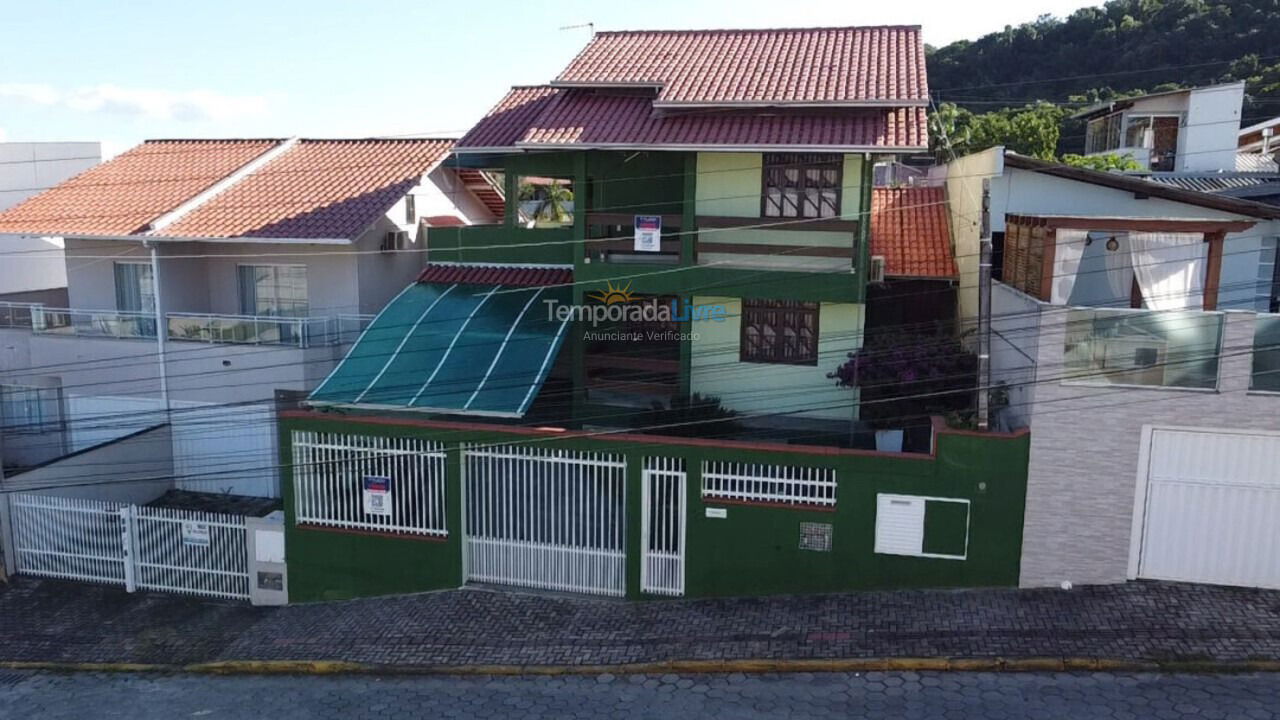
123,71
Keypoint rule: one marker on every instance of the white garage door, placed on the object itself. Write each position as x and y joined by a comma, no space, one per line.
1212,508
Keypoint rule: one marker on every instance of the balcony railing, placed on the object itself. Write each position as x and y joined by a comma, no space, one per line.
93,323
1266,354
1142,347
211,328
17,314
248,329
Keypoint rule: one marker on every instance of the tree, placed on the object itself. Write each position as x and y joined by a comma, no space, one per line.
1136,45
1104,163
1030,130
904,376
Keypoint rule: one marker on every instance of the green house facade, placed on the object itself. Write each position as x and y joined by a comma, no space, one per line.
623,388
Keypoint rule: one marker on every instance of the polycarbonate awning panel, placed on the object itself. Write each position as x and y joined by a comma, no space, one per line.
452,348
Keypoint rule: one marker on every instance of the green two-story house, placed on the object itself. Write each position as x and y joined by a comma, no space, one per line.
746,158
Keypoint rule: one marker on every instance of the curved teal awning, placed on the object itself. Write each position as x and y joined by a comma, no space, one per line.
463,348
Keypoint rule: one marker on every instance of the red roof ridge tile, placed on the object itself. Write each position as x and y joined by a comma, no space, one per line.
806,28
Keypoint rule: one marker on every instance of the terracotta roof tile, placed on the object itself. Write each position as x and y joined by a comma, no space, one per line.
511,275
602,118
443,221
796,65
507,121
124,194
910,228
316,189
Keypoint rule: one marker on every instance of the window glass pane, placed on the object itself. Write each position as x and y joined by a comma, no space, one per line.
801,185
1137,135
135,287
276,290
779,331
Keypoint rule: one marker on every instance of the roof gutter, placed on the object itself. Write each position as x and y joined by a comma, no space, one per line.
708,148
1145,187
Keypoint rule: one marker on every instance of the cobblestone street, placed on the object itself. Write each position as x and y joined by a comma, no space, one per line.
49,621
822,695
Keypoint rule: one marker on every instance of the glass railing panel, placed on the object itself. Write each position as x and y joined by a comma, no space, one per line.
1140,347
1266,354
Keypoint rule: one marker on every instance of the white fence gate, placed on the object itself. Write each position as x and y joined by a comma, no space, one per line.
183,551
550,519
664,499
69,538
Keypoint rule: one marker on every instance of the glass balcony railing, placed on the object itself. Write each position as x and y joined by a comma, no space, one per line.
1266,354
93,323
17,314
187,327
1143,347
248,329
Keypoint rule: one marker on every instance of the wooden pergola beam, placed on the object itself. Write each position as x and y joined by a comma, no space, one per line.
1133,224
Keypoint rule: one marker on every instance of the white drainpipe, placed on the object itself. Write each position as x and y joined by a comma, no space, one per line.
162,328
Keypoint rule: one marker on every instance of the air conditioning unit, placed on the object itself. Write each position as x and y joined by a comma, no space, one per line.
395,240
877,269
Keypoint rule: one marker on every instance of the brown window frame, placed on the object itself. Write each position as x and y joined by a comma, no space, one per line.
798,174
782,315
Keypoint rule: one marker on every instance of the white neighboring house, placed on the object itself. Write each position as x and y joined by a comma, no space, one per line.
26,169
1177,131
250,264
1135,329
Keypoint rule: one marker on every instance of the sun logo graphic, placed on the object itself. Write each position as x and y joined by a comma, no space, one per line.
611,294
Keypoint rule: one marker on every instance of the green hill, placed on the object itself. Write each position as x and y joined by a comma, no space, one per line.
1125,47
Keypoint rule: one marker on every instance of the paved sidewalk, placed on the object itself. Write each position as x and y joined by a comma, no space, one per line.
51,621
817,696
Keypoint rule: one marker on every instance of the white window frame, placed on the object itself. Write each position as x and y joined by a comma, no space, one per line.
924,501
115,278
240,290
1129,119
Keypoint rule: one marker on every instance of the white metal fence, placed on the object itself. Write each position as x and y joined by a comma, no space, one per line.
366,482
665,502
184,551
154,548
69,538
551,519
776,484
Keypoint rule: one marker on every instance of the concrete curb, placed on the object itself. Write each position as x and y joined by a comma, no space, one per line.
854,665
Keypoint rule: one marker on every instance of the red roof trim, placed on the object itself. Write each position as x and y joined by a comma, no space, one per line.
509,275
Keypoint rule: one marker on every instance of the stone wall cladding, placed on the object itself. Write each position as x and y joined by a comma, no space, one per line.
1084,453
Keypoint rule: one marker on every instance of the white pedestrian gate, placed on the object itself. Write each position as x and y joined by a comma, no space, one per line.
154,548
550,519
664,499
1207,507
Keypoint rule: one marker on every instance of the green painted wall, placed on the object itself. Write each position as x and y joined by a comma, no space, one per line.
754,550
729,184
768,388
326,564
